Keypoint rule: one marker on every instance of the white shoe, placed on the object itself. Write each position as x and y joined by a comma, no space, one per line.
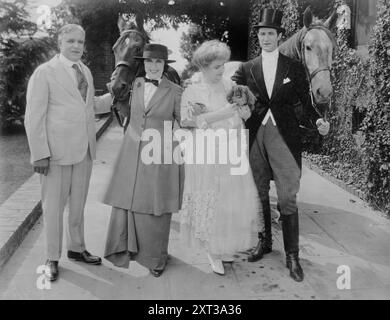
227,258
216,265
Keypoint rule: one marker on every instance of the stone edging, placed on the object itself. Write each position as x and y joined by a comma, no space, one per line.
19,213
334,180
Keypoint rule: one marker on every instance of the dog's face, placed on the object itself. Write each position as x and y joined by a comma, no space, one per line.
239,97
239,100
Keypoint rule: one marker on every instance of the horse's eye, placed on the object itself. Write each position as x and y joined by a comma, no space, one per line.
308,48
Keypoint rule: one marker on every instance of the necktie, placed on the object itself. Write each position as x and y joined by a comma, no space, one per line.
155,82
82,83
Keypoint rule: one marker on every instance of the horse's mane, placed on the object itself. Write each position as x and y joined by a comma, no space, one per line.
292,46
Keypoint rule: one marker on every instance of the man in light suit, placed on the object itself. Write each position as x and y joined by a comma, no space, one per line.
61,133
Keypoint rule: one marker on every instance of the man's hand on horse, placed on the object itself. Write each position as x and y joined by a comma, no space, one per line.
42,166
323,126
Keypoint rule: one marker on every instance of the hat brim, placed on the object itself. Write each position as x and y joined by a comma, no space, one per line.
166,60
262,25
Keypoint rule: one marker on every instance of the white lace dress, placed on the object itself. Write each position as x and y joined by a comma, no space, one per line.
220,209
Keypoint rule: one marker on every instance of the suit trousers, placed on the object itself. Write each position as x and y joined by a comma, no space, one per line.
65,184
270,158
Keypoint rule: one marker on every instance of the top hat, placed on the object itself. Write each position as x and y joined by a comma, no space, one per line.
155,51
271,18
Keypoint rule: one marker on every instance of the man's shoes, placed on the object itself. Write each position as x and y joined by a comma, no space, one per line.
216,265
292,263
51,271
156,273
263,246
290,227
84,256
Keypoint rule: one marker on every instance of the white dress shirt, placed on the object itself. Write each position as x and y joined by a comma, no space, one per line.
150,90
68,67
270,63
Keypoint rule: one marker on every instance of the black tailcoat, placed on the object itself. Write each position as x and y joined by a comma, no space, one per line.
290,98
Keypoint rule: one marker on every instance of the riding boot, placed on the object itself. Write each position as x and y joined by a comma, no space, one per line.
265,236
290,229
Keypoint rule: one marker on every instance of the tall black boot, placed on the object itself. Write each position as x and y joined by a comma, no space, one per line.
290,227
265,236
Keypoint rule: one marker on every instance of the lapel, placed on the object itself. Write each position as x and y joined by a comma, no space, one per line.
258,76
138,93
61,75
161,91
281,72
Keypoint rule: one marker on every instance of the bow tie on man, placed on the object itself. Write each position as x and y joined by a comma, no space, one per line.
153,81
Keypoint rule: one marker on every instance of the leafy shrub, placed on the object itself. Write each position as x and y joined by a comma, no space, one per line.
18,59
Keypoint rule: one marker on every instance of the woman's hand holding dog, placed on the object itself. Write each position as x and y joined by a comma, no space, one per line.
244,112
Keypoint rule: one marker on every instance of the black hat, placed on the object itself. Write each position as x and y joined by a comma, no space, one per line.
155,51
271,18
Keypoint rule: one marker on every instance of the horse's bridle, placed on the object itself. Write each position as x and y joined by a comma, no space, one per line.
123,63
311,75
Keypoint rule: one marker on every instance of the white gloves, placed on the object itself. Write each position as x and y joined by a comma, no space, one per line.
323,126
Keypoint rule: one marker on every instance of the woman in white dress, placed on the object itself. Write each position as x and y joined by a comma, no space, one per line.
220,206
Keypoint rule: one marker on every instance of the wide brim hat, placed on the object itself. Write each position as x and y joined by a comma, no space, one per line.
270,18
155,51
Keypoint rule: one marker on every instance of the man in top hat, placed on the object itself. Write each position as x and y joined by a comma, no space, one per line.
144,188
279,84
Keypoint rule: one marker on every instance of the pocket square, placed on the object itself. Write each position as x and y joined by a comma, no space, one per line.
286,80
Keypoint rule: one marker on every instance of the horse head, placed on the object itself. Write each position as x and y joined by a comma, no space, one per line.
129,45
313,46
317,47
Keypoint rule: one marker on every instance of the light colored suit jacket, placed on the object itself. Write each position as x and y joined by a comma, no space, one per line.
59,123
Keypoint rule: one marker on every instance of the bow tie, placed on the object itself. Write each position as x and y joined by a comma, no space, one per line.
155,82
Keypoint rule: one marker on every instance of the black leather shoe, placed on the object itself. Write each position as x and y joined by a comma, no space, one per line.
290,227
51,271
84,256
292,263
263,246
156,273
265,236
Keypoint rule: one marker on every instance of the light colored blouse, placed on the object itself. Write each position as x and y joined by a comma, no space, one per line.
219,113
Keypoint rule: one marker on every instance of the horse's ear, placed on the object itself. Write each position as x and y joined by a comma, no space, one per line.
307,17
330,22
121,23
139,19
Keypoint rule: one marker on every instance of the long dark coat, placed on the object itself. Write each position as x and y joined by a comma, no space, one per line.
291,90
138,186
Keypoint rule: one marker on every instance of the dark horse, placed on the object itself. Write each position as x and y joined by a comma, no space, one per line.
131,42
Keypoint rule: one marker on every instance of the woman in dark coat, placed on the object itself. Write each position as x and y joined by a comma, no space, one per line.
143,194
